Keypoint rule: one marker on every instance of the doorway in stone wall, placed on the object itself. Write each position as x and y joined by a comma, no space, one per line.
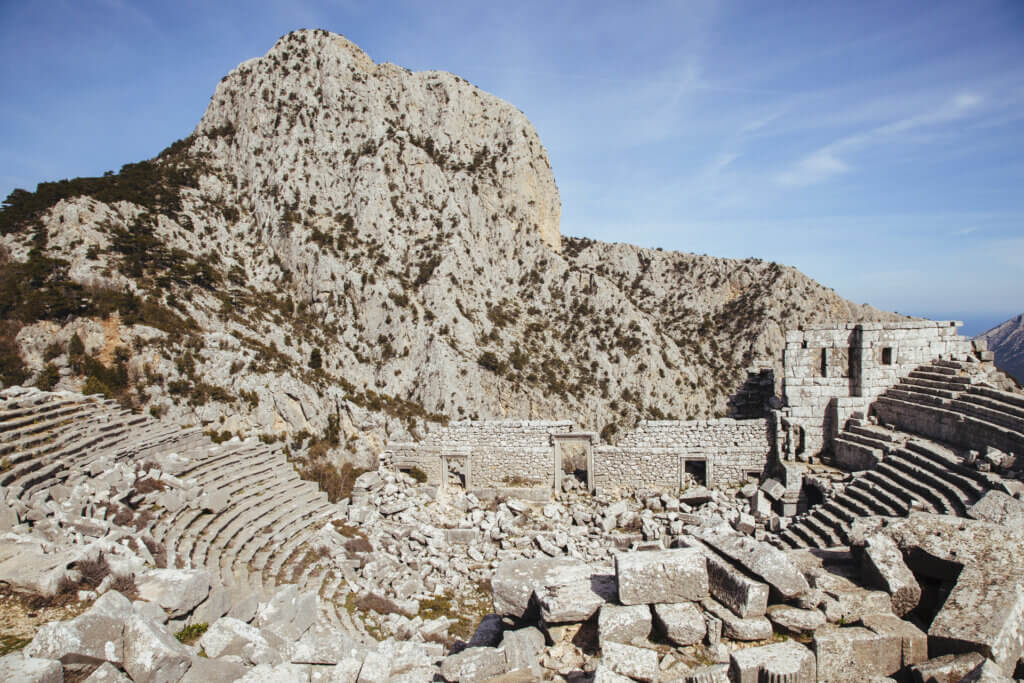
695,473
455,472
573,461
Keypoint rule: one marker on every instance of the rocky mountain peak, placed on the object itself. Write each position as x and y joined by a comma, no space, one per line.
316,124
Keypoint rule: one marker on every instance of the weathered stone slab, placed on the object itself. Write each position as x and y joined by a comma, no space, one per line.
681,622
946,668
474,664
92,637
18,667
176,590
678,575
913,641
230,636
754,628
151,654
743,595
796,620
759,558
787,661
637,663
624,624
987,672
999,508
855,654
376,668
514,582
985,610
108,673
322,644
523,648
882,566
574,597
204,670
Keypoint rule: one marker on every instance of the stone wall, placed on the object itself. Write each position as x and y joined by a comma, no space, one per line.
498,453
503,454
653,456
834,370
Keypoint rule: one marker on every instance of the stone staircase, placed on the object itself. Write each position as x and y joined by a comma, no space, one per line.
916,460
242,511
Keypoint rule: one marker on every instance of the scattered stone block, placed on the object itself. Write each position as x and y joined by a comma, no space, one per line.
230,636
883,567
787,661
796,620
151,654
472,664
90,638
946,668
987,672
678,575
999,508
281,673
176,590
514,582
637,663
731,587
604,674
913,641
574,595
523,648
205,670
376,668
682,623
855,653
19,667
628,624
760,559
736,628
108,673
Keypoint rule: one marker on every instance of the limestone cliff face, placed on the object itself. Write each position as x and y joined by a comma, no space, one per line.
1007,341
350,249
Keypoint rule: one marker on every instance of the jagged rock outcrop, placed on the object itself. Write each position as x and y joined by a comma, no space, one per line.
352,251
1007,341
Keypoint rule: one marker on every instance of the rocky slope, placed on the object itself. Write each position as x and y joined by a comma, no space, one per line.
1007,341
348,252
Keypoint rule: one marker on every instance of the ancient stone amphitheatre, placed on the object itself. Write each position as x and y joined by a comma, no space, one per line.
540,479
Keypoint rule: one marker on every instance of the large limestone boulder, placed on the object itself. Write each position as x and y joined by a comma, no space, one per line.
19,667
630,624
658,576
563,588
786,661
176,590
92,637
151,654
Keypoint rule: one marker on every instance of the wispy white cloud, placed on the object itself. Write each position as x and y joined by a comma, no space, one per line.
826,162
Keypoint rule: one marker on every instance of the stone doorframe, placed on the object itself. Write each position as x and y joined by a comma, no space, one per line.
588,439
696,455
467,466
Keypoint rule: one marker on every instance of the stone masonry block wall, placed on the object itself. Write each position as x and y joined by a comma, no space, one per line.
855,362
653,455
499,452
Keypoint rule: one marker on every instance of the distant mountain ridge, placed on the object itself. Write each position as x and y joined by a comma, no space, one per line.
1007,341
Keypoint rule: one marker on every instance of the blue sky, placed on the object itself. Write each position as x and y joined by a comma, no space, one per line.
876,146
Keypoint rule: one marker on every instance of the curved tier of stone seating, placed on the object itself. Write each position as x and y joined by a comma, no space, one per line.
914,473
943,402
238,509
916,460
